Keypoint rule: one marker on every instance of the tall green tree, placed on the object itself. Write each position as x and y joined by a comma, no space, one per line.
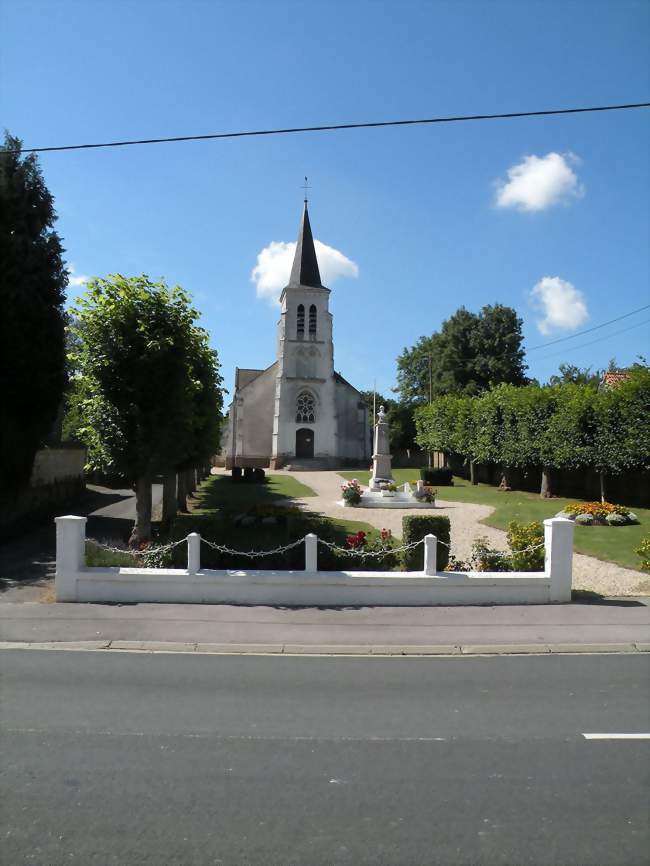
143,365
472,352
33,279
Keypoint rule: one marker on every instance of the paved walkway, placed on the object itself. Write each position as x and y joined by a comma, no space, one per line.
589,573
610,625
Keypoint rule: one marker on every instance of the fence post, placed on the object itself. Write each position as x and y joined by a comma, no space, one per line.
430,554
193,552
311,552
70,555
558,557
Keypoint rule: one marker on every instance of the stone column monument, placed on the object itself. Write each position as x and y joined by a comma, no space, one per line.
381,460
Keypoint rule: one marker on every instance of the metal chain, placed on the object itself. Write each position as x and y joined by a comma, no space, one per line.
252,554
351,551
146,552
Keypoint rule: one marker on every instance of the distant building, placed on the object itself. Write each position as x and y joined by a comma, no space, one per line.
612,379
299,412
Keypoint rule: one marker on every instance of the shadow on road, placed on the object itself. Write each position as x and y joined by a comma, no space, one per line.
29,558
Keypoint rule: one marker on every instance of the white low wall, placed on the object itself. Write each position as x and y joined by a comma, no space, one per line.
75,582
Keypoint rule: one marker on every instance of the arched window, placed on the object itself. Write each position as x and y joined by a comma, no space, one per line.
305,408
312,320
300,327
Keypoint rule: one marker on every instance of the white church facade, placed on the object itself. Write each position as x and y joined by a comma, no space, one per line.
299,412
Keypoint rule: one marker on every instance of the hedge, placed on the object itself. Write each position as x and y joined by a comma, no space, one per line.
414,528
441,477
289,525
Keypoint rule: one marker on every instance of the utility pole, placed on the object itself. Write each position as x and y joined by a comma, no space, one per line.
429,399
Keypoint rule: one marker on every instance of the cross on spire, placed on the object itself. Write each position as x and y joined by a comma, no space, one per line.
306,186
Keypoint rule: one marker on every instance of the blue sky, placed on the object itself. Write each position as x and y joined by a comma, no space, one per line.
416,209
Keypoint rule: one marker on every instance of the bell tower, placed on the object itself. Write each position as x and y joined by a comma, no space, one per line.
304,418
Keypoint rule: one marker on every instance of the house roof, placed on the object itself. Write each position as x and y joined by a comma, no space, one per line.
244,376
613,378
305,270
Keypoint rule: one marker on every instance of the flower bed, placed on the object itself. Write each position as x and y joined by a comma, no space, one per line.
599,514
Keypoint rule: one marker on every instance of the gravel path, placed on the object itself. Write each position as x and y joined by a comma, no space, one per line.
588,573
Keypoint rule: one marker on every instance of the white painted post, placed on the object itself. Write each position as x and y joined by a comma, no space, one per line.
430,554
193,552
70,555
558,557
311,552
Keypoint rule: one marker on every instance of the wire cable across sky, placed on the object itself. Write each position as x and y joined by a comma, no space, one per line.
336,126
589,330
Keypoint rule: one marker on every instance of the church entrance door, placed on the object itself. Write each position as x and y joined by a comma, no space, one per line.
304,442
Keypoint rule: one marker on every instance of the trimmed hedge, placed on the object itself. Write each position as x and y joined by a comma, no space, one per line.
289,524
440,477
415,527
236,473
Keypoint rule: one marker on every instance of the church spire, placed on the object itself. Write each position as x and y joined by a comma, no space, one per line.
305,264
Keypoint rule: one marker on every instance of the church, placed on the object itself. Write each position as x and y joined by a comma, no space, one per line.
298,413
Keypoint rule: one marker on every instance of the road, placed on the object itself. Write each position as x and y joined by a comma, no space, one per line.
179,760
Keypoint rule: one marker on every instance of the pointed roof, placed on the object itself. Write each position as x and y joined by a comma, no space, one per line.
305,264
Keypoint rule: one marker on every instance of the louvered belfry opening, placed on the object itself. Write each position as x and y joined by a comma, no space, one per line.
312,320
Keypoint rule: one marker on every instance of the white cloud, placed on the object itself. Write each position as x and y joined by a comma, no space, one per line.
76,279
273,268
540,182
564,307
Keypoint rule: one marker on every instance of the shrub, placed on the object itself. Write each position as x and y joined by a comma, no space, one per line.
522,536
443,477
644,552
414,528
258,475
486,558
249,473
235,473
585,519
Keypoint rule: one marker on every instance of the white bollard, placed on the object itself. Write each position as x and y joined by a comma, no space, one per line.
311,552
193,552
430,554
558,557
70,555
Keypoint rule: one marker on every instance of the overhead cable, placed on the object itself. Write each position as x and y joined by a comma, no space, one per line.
335,126
589,330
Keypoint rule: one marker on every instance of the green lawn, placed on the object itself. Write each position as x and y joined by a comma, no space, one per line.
609,543
220,491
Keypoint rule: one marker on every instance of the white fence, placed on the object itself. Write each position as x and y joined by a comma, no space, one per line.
76,582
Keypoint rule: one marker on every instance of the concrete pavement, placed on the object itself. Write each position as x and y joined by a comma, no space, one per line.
611,625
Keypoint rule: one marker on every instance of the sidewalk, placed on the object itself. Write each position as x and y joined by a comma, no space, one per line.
612,625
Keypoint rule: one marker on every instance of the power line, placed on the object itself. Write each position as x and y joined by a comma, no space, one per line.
593,342
335,126
589,330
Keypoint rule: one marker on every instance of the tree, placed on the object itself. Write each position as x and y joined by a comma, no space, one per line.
471,353
401,423
570,374
143,365
621,433
206,422
32,286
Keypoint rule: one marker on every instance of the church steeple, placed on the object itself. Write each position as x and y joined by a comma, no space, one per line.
305,264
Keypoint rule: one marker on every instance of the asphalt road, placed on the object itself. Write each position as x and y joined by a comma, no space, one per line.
179,760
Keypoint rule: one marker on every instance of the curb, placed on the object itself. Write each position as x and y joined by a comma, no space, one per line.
366,650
